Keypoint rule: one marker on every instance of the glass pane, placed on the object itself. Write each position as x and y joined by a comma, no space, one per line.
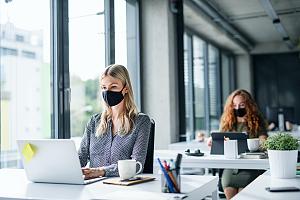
120,32
198,62
212,83
188,89
25,75
225,78
87,61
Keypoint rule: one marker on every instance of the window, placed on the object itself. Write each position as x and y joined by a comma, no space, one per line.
87,53
213,85
28,54
8,51
19,38
87,61
2,76
228,78
198,83
202,86
126,26
19,118
188,87
120,32
78,56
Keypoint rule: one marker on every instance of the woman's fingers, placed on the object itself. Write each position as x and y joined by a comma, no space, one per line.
86,171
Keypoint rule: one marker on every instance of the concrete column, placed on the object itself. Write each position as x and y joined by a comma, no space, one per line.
158,68
244,72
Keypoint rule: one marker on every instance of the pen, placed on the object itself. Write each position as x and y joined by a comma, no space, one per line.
166,165
173,181
172,164
168,180
178,162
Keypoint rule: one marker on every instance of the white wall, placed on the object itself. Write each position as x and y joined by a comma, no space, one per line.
158,67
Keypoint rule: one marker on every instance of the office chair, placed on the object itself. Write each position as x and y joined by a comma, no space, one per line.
148,166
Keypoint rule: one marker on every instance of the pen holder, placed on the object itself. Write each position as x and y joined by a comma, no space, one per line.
172,183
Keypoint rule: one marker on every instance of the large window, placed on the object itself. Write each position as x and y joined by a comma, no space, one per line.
91,25
203,91
86,60
25,75
61,46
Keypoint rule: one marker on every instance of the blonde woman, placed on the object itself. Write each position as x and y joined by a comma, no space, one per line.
119,132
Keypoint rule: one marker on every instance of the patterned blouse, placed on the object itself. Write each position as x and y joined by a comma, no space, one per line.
105,151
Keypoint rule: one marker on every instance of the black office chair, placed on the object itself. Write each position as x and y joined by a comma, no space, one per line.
148,166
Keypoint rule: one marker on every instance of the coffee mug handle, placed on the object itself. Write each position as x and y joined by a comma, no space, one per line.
141,167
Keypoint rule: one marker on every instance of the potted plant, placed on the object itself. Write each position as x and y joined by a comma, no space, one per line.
282,151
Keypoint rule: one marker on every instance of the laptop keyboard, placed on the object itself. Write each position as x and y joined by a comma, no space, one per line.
88,181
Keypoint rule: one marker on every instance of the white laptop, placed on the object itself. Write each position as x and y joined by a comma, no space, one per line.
52,161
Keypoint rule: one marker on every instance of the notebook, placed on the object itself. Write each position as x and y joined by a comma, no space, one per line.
136,180
52,161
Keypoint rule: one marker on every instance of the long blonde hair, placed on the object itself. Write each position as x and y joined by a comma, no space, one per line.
254,120
130,111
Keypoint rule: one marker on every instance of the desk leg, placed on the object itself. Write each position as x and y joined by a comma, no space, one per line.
206,171
214,195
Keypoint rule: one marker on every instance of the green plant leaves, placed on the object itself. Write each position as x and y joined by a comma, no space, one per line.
281,141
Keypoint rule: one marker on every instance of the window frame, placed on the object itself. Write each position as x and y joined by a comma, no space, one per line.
61,91
219,102
60,87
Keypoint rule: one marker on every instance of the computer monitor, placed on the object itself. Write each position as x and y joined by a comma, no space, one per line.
275,113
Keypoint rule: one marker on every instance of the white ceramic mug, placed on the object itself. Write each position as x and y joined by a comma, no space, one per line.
253,144
127,168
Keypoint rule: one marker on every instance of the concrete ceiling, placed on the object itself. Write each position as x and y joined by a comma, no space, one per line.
251,20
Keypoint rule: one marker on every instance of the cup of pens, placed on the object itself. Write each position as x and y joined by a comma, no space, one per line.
170,177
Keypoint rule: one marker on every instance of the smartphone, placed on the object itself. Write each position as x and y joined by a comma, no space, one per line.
282,189
132,179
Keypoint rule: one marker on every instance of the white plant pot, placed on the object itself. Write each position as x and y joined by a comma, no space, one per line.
283,164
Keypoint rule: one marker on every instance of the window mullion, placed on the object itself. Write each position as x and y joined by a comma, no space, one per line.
60,70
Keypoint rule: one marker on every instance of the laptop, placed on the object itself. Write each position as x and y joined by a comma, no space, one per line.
52,161
217,147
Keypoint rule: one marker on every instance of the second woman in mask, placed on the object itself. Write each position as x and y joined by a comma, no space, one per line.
241,114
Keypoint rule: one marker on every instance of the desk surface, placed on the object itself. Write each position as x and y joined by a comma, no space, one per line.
212,161
256,189
14,185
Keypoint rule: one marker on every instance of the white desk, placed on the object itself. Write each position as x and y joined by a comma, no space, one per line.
192,145
256,189
211,161
14,185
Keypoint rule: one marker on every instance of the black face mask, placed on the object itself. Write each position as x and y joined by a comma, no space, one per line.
241,112
113,98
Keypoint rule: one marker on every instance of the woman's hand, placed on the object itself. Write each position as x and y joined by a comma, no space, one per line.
92,172
209,142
